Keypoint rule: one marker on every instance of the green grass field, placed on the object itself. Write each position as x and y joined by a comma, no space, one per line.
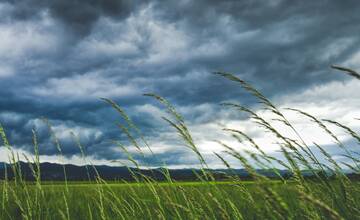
186,200
329,194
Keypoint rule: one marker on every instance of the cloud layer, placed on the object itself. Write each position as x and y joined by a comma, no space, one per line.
58,58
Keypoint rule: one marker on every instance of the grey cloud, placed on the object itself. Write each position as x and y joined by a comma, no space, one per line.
169,48
79,16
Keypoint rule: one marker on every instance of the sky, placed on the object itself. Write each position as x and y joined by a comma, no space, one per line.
59,57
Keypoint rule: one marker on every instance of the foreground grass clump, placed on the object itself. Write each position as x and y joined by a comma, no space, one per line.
326,192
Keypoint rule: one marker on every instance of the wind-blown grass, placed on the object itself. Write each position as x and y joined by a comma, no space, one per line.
329,194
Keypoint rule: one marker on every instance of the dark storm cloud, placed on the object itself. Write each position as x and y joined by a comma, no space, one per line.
123,49
79,15
288,43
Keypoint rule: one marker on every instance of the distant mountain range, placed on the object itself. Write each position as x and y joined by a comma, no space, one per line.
55,172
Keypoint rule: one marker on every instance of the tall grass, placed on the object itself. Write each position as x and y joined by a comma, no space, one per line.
329,194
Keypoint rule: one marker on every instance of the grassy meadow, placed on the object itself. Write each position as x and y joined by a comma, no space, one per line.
329,194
